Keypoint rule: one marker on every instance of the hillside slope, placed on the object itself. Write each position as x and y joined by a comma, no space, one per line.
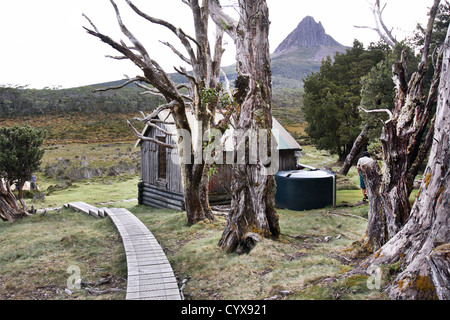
299,54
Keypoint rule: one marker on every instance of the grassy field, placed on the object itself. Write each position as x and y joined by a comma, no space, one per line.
304,263
118,164
301,264
109,186
38,251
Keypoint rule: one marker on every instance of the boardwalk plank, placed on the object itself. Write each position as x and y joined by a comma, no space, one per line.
145,260
150,275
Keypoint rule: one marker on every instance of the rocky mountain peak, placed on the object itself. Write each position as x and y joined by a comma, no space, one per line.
308,33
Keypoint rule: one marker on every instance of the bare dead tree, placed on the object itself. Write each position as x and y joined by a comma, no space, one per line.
422,246
380,26
253,215
406,137
205,74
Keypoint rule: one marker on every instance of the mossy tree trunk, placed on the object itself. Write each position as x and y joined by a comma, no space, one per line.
196,200
422,246
253,215
381,224
405,143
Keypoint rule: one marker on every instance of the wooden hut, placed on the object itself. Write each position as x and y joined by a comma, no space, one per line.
161,184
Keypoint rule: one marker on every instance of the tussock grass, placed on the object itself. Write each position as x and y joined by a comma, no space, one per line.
300,264
93,153
93,191
288,267
116,182
80,128
37,252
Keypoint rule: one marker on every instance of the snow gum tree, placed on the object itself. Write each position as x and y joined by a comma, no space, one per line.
406,138
253,215
421,249
204,77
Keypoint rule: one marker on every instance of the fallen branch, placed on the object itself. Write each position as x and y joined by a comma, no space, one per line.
223,209
100,282
219,213
350,205
347,215
100,292
183,285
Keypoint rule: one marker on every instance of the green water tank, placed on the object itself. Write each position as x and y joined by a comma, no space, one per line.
305,190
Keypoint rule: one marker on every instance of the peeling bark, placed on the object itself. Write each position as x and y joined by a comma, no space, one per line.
421,246
401,139
439,262
9,207
253,215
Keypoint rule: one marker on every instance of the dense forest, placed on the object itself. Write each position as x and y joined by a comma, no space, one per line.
16,101
66,114
20,101
363,77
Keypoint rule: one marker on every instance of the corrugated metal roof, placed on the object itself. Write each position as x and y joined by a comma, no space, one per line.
284,139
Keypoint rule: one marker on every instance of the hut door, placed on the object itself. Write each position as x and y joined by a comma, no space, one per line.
162,160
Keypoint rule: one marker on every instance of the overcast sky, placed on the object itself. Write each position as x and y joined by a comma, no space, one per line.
43,42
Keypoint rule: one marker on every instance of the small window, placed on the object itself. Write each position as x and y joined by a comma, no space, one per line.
162,160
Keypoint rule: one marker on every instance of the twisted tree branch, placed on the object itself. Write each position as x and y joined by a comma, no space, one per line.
391,116
117,87
144,138
384,33
184,38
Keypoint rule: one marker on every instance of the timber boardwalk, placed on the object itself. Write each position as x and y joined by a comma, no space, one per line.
150,275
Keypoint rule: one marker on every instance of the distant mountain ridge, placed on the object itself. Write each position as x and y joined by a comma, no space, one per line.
301,53
295,58
308,33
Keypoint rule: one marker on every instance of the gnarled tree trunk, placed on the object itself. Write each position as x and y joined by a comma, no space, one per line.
253,213
205,75
383,224
9,207
422,245
195,195
403,149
